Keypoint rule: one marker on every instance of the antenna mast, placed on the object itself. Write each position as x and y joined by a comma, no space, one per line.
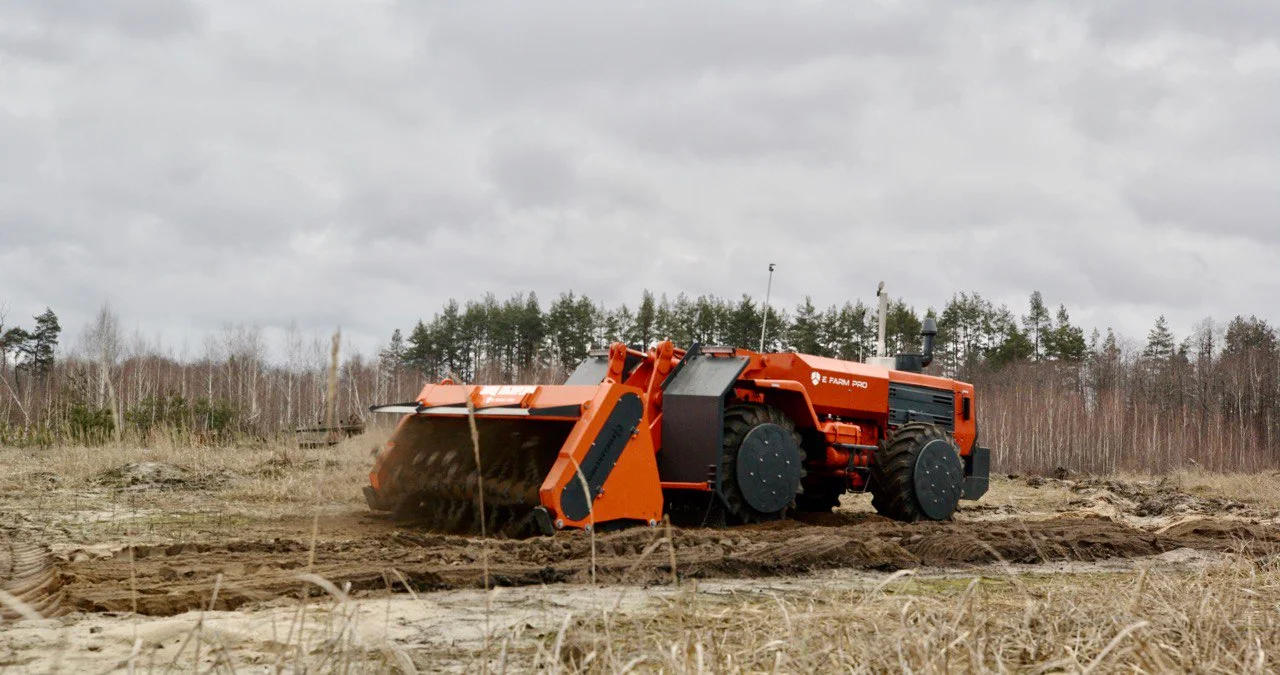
764,321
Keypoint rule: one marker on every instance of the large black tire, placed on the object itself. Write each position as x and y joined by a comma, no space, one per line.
739,421
894,484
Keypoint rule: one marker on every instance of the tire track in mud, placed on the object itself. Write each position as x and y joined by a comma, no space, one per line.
177,578
27,575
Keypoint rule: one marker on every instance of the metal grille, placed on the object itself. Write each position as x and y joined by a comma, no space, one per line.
909,403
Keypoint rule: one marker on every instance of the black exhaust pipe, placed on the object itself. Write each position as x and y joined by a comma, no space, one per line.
928,332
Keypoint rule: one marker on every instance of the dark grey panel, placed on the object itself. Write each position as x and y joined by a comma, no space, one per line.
977,470
703,375
605,451
693,416
909,403
591,371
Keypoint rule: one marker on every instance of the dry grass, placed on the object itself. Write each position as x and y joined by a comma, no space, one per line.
278,473
1257,489
59,491
1220,620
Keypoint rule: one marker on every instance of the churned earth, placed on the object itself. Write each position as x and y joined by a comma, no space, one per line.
266,557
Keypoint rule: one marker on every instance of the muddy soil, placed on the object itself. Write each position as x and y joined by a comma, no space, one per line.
260,561
170,579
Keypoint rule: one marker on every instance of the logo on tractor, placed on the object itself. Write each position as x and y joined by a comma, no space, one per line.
818,378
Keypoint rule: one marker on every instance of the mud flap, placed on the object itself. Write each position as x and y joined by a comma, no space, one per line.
693,416
977,470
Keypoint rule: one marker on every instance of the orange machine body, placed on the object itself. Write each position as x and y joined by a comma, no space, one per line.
851,404
637,427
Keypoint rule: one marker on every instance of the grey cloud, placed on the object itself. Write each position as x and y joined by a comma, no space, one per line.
146,19
359,164
60,31
532,171
533,47
1242,201
1229,20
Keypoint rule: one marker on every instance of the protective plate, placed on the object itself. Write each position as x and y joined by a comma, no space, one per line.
939,478
768,468
605,452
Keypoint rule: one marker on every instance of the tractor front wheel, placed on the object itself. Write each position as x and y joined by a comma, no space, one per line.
761,463
917,474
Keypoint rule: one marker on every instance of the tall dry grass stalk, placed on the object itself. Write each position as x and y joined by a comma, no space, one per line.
591,513
484,533
304,592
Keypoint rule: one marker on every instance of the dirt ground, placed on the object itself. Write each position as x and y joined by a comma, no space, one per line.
267,559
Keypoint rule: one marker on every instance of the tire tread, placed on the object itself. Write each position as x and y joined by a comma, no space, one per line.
893,492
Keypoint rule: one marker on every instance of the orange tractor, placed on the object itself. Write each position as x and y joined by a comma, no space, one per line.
709,435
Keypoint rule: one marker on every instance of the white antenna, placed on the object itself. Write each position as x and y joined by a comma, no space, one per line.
884,317
765,320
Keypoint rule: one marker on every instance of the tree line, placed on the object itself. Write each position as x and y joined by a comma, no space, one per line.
514,339
1049,394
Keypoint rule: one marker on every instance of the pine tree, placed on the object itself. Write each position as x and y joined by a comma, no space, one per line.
571,322
1011,345
450,341
744,324
13,341
681,318
41,343
1252,334
664,320
642,334
1065,342
1106,361
775,330
964,332
707,320
419,354
505,333
804,335
391,358
532,331
1160,344
621,325
902,328
852,334
1036,324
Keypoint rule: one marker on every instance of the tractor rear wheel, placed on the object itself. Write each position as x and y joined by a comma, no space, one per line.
761,463
917,475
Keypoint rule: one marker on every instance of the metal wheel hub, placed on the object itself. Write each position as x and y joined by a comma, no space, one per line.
768,468
939,477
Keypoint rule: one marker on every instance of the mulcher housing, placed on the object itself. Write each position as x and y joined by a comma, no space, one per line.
708,434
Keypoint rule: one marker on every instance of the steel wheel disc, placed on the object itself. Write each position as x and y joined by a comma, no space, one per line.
939,477
768,468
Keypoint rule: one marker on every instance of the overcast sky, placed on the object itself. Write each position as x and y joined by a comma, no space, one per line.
359,163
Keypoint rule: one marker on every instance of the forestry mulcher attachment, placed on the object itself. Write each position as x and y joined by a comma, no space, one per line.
710,435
